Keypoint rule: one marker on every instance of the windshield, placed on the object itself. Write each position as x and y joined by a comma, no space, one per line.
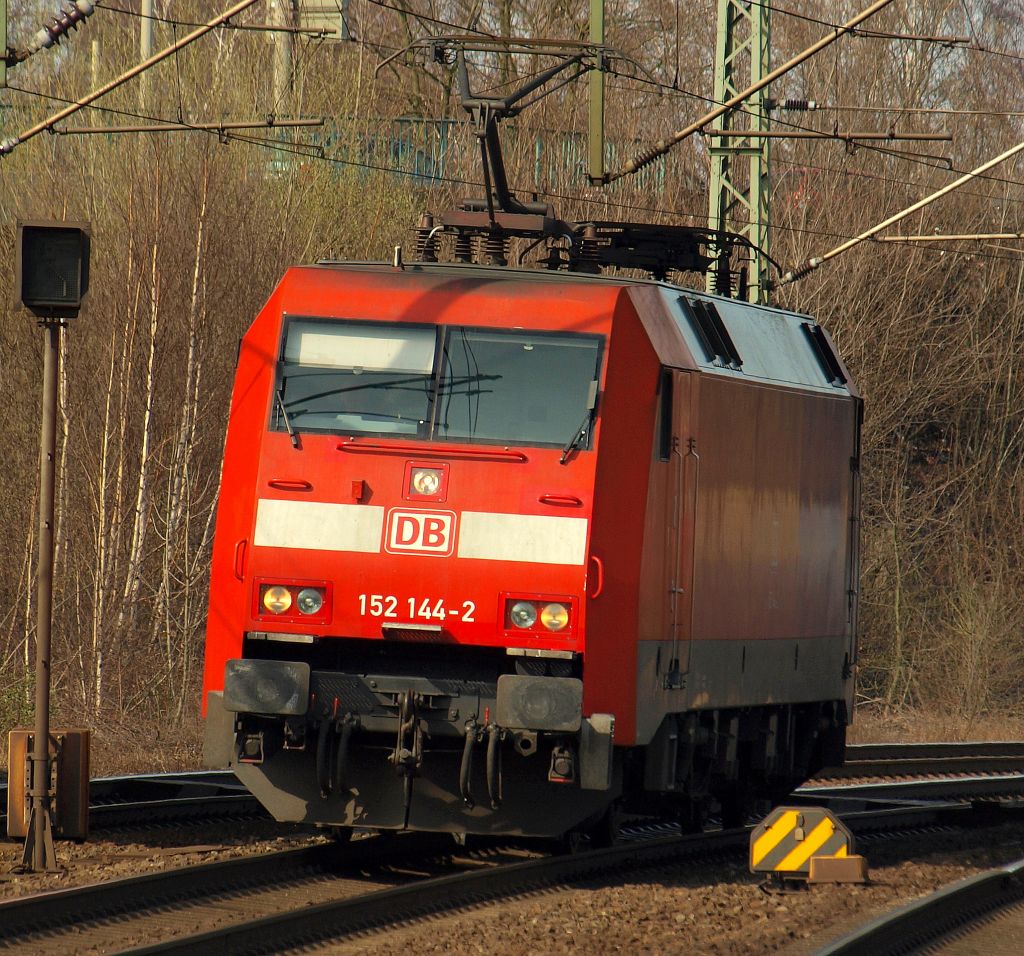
449,383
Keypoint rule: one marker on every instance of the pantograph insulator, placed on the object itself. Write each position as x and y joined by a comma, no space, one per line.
495,249
426,243
463,247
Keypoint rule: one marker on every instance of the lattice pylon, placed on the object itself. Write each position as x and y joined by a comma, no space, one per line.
739,189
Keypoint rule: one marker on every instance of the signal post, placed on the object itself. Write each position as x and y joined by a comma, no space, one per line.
52,276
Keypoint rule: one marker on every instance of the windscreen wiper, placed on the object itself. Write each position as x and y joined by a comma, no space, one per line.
292,433
582,434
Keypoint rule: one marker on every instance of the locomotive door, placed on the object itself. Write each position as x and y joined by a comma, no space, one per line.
681,503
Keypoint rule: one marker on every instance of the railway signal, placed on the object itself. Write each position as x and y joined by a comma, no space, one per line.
52,268
52,277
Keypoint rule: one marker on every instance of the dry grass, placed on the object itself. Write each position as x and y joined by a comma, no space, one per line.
134,746
878,725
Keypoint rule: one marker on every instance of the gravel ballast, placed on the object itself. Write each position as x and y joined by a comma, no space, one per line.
715,908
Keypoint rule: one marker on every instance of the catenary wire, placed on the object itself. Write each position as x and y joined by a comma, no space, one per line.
314,153
240,27
915,158
899,154
883,35
304,150
551,194
428,19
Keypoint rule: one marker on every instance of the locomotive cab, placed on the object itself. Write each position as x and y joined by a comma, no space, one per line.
409,487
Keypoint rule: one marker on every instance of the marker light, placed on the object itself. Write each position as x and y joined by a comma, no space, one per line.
523,614
310,600
554,617
426,481
277,599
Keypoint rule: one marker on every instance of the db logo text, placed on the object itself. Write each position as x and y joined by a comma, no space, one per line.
420,532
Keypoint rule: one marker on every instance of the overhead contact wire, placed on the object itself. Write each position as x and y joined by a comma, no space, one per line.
8,145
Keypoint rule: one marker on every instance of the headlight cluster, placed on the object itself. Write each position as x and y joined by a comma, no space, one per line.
525,615
290,599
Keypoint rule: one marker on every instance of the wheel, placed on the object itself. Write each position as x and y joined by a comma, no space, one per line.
737,803
691,817
605,832
570,843
340,835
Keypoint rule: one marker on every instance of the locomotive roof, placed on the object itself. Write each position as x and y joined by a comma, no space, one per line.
715,334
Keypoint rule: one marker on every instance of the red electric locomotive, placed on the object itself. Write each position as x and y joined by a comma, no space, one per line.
498,550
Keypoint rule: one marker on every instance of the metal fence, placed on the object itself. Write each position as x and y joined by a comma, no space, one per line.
432,151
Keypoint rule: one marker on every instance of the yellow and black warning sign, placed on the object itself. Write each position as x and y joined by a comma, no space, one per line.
786,840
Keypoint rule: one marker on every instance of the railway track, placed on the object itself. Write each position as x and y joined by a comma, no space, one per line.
982,914
109,916
151,799
891,760
962,789
268,904
331,891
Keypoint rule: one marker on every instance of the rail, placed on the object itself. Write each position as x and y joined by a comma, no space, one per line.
162,798
962,788
874,760
114,907
204,794
934,918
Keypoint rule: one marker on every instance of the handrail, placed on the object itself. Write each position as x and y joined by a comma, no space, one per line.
239,563
599,564
290,484
570,501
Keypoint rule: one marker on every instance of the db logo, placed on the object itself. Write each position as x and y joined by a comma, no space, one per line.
421,532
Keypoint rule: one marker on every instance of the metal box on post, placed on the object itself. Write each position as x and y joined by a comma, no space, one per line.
70,750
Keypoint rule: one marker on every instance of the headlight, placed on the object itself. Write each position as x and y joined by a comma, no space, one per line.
310,600
523,614
554,617
277,599
426,481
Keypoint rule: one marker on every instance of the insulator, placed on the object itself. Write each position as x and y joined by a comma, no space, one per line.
798,105
722,276
587,259
426,244
795,275
66,21
463,247
495,249
648,156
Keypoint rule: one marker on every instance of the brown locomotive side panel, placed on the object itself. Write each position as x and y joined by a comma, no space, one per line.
754,601
773,508
771,613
